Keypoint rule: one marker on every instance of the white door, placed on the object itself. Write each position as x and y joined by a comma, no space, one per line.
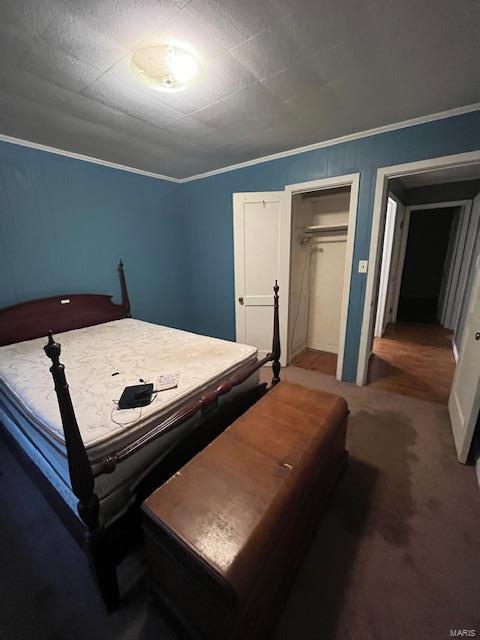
464,401
261,223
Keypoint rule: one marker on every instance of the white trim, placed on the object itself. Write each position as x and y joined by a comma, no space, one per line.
333,182
79,156
401,258
447,270
386,266
353,181
448,306
439,205
454,351
383,175
441,115
470,224
322,346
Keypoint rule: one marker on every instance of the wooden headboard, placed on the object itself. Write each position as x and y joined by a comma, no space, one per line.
34,318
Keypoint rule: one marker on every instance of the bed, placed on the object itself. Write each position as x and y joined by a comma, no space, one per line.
95,462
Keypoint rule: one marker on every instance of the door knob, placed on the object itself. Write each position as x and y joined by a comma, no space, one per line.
477,335
240,300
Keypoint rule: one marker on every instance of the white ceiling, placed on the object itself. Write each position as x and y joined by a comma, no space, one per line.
441,176
279,74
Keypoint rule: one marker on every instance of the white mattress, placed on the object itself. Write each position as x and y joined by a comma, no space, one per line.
29,409
133,350
117,490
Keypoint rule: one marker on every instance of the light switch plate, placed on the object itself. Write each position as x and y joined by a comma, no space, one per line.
362,266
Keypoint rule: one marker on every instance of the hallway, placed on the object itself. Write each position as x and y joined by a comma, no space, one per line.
413,360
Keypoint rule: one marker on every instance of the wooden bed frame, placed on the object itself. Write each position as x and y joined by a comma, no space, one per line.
104,546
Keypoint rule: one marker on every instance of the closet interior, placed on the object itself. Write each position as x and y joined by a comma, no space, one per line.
317,271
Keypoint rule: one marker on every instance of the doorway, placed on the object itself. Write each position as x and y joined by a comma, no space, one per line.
323,219
414,351
429,337
262,226
317,274
425,266
413,347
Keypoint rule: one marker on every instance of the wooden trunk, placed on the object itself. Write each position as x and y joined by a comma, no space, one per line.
226,533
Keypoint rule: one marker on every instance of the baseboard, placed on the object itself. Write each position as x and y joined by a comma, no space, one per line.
320,346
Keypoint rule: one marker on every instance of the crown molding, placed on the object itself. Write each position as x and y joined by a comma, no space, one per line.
249,163
458,111
79,156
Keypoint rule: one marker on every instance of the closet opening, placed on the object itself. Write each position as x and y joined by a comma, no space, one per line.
320,268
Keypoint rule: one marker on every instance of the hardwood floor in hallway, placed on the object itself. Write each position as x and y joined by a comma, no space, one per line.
414,360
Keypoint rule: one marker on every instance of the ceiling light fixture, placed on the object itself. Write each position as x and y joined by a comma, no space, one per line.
166,67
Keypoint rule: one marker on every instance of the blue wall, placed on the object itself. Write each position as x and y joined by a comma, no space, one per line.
64,224
207,207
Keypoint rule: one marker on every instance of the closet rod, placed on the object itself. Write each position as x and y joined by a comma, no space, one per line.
322,228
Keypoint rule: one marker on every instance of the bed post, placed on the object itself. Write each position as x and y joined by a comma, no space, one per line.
276,350
82,481
123,287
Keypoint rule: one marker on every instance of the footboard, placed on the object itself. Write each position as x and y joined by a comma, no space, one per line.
83,474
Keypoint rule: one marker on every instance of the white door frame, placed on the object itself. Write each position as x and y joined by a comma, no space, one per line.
383,175
401,263
351,180
460,272
406,225
385,268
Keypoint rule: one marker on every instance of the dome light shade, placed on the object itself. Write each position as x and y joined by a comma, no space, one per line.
166,67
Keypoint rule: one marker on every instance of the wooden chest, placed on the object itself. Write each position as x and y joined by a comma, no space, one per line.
225,534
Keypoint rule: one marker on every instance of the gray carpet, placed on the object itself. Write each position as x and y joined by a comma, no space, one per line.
397,554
